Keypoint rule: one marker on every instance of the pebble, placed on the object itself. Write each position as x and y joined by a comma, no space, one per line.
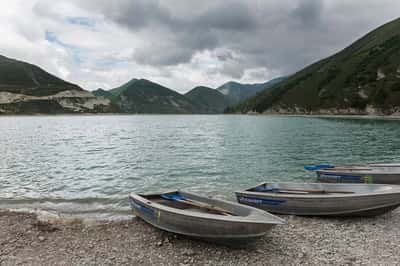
188,252
259,251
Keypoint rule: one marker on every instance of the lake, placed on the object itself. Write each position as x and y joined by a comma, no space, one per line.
87,165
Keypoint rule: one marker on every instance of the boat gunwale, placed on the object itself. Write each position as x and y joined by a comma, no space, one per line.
376,171
256,216
391,191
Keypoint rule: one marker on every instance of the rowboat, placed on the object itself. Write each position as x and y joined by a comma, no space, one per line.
322,199
379,173
203,217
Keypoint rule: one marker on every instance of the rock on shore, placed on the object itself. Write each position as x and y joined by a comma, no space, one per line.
25,240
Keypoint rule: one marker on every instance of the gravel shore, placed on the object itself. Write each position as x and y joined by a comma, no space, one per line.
27,240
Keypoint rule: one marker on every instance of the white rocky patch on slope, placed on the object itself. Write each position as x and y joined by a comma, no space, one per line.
174,103
380,75
74,100
8,97
362,94
82,104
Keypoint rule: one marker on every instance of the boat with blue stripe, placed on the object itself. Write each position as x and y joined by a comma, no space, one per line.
377,173
203,217
322,199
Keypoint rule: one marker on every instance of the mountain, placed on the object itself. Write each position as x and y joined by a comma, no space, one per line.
208,101
143,96
364,78
102,93
28,89
20,77
237,92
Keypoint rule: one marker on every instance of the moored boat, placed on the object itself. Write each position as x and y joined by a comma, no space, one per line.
378,173
322,199
203,217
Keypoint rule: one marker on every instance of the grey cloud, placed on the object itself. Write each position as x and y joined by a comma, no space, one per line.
281,36
231,15
140,13
178,48
224,55
233,68
259,74
234,16
177,39
162,55
189,34
309,12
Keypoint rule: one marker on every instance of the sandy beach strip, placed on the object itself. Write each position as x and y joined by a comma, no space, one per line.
25,240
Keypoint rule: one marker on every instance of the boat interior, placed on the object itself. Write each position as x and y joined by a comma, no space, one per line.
187,205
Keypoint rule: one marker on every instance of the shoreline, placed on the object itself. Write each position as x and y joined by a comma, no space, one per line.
27,240
344,116
378,117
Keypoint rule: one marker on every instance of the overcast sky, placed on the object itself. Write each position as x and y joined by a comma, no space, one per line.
182,43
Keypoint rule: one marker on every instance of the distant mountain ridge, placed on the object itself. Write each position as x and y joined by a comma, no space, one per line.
28,89
364,78
207,100
142,96
102,93
237,92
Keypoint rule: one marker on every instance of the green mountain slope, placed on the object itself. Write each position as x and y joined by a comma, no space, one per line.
207,100
102,93
364,78
119,90
20,77
28,89
144,96
237,92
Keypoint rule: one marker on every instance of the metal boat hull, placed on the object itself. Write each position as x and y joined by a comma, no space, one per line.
360,203
227,230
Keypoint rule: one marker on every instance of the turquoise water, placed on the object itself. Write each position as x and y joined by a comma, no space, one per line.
87,165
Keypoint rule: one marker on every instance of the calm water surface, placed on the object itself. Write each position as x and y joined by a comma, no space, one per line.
87,165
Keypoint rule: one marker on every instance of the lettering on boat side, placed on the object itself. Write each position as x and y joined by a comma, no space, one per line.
261,201
139,206
342,177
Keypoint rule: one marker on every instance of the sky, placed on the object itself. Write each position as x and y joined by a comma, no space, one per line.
182,43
